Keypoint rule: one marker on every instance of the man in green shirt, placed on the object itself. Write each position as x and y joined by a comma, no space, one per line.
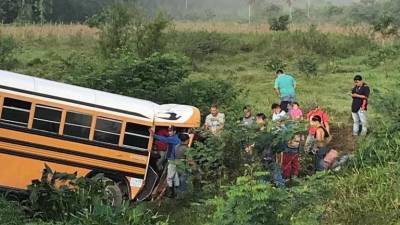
285,89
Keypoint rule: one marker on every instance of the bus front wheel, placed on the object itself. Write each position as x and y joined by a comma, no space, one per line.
113,194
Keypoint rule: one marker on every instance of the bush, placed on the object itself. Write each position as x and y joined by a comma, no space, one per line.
199,45
280,24
275,63
251,201
68,199
115,32
308,65
151,78
379,57
150,38
8,46
203,93
50,202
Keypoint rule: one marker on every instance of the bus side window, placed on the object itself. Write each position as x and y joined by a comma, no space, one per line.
47,118
15,112
107,130
137,136
77,125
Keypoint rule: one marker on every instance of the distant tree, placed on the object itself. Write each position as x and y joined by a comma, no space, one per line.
280,24
9,10
386,26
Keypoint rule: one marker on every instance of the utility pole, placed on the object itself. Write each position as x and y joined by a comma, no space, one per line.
251,3
186,4
290,3
308,8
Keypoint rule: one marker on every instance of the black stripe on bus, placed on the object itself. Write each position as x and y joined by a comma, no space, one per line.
72,152
69,163
74,101
66,138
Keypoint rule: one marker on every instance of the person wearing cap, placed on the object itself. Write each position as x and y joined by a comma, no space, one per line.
316,111
173,141
215,120
285,89
360,95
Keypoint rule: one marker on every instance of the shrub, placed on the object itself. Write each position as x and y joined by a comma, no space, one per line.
199,45
151,78
280,24
275,63
115,32
50,202
203,93
68,199
8,46
379,57
251,201
308,65
150,38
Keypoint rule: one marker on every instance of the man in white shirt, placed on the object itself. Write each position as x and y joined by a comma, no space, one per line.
277,113
215,120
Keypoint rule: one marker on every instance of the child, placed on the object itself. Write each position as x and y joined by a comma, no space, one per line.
277,113
295,112
290,162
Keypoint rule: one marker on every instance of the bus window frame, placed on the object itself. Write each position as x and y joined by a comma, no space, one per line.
11,122
1,104
33,112
150,138
77,125
107,132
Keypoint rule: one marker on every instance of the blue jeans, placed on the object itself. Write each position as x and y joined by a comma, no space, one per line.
286,101
319,158
360,118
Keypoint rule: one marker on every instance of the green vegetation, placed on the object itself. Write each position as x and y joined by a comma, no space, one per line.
146,58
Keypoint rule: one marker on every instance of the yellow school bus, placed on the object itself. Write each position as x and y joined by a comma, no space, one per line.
75,129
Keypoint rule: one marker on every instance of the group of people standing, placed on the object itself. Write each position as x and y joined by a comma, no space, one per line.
285,165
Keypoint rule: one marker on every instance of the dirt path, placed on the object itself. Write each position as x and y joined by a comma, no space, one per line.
343,140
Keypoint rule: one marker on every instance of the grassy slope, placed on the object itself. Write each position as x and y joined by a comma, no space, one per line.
247,70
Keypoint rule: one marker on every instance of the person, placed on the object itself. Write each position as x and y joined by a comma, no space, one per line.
215,120
248,119
285,89
161,147
268,155
261,121
316,111
290,161
261,125
172,175
277,113
180,161
295,112
360,95
322,139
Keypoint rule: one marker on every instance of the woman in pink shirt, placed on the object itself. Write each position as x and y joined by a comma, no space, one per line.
295,112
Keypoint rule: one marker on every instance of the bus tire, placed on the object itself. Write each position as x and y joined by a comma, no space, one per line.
114,194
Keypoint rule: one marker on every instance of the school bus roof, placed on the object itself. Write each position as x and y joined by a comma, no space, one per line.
170,114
